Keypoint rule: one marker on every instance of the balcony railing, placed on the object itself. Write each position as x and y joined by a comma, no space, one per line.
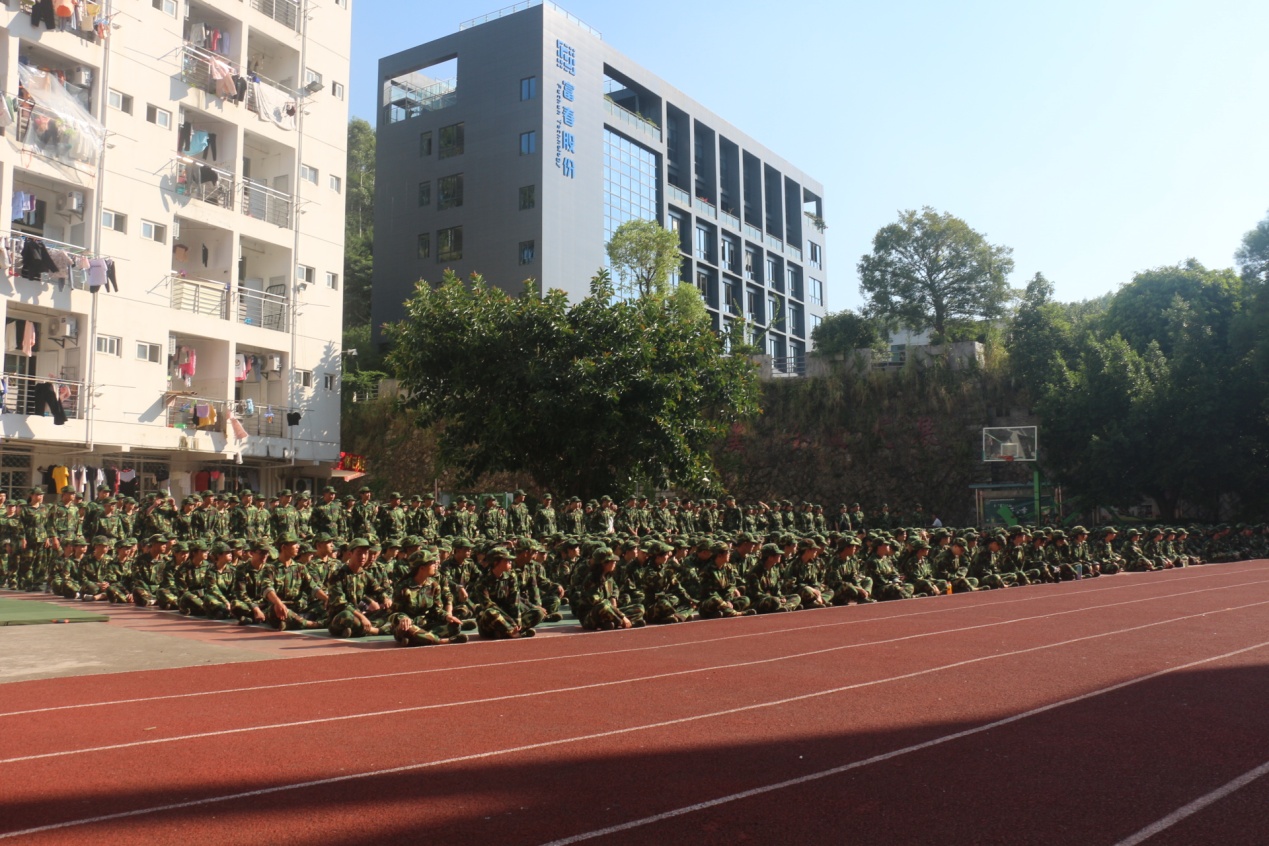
754,233
793,365
43,395
635,121
706,208
265,203
196,413
205,182
196,71
678,195
407,101
775,243
199,296
263,420
263,308
286,12
730,220
794,252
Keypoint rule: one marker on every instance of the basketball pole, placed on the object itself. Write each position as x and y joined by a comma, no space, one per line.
1036,483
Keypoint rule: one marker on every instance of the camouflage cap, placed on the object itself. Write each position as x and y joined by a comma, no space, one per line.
768,550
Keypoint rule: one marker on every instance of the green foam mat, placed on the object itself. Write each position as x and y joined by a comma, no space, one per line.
27,612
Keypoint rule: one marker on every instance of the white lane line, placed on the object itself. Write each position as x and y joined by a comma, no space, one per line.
655,677
194,803
1194,807
599,653
887,756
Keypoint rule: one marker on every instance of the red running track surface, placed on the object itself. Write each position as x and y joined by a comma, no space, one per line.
1081,713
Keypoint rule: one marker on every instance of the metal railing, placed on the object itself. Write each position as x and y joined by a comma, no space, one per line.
794,252
196,71
211,184
263,308
261,419
528,4
775,243
407,101
705,207
754,233
793,365
196,413
286,12
265,203
731,220
48,137
633,120
199,296
29,396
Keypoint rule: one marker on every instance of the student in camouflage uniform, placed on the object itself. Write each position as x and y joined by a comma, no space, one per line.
35,544
764,581
952,567
286,589
147,571
845,576
424,614
918,574
887,583
599,608
176,579
664,599
720,594
500,614
212,591
358,604
807,574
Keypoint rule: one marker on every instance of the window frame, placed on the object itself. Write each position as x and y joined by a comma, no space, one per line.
156,112
115,218
167,7
310,174
337,90
113,345
335,183
425,193
153,353
452,252
305,378
423,247
455,198
527,252
125,101
158,231
447,149
425,144
305,274
332,280
529,142
532,194
528,88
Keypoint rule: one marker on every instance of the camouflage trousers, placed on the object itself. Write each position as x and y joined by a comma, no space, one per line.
772,603
815,596
608,615
31,571
667,610
409,631
203,604
348,624
928,587
858,591
297,617
893,590
493,622
143,594
715,607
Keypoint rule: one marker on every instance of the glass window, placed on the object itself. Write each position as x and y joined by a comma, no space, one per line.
449,244
817,292
305,274
452,138
308,173
704,244
631,192
425,245
167,7
449,191
527,250
328,381
158,117
148,352
311,75
337,90
153,231
816,259
529,88
306,378
528,143
114,220
425,194
332,281
425,144
336,184
120,101
110,345
528,197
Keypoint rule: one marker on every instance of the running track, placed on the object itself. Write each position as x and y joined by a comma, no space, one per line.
1113,711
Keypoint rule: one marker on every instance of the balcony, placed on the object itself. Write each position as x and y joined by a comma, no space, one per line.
265,203
50,122
194,413
730,220
197,67
775,243
632,120
286,12
753,233
267,309
208,183
35,395
678,195
407,101
706,208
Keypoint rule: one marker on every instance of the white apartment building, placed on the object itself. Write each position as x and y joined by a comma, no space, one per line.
174,171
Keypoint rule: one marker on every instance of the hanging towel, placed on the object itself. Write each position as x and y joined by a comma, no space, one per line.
236,427
272,106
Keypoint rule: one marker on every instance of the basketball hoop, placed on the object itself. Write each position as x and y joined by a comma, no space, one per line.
1008,458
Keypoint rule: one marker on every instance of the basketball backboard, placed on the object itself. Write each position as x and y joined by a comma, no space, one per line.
1010,443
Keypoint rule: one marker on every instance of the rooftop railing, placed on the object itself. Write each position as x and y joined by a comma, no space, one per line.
635,121
528,4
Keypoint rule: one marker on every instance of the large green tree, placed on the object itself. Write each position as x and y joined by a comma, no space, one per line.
928,269
643,255
843,332
1253,254
359,222
588,398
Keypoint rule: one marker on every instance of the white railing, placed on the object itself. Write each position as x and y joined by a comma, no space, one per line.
196,70
286,12
199,296
265,203
262,308
528,4
206,182
44,396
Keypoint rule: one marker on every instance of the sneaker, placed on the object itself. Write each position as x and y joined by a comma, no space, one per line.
344,632
313,624
553,618
527,633
468,625
458,638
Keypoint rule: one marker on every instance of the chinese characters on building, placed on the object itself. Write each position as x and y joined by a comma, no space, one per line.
565,94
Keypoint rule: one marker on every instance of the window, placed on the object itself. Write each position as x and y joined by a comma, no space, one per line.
529,88
729,297
305,274
795,320
425,194
449,191
167,7
120,101
449,244
451,141
337,90
425,245
527,249
110,345
528,197
158,117
148,352
306,378
311,75
336,184
702,284
817,292
751,260
727,255
332,281
773,311
703,245
751,307
816,320
328,381
816,258
308,173
528,143
154,231
425,144
114,220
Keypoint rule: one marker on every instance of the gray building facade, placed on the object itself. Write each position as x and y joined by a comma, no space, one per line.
514,148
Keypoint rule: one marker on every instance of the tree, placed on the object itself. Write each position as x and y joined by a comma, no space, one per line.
643,255
1253,254
843,332
929,268
587,398
1039,336
359,222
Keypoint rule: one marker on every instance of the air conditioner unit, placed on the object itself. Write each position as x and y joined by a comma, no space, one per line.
57,327
275,363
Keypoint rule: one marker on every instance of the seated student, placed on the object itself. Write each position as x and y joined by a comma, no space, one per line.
120,570
286,589
887,583
536,590
1135,559
147,571
845,576
720,594
665,600
99,571
764,581
599,609
248,597
64,577
212,589
424,614
917,572
952,567
359,604
175,579
808,573
499,612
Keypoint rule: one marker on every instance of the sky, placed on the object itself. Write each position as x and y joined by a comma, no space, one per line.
1096,139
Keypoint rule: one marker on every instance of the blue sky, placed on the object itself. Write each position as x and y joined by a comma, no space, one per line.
1097,139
